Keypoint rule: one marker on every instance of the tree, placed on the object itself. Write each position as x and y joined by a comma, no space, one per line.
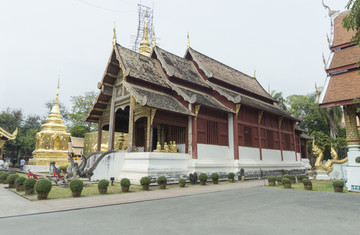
80,109
25,140
352,20
278,96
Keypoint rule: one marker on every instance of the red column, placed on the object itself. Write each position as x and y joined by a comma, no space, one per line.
236,137
194,138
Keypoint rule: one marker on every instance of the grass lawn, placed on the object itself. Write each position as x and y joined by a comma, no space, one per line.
321,186
59,192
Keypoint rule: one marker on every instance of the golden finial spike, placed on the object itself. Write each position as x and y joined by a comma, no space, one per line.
324,61
269,91
317,93
153,39
144,48
114,41
255,72
57,91
188,41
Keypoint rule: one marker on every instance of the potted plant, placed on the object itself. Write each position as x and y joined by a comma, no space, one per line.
42,187
292,178
29,185
182,183
215,178
307,184
301,177
338,186
125,184
271,180
231,177
3,178
11,180
64,168
76,187
162,181
279,180
145,182
203,178
103,186
19,184
286,182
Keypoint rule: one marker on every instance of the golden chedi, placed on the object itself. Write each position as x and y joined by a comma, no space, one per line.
52,140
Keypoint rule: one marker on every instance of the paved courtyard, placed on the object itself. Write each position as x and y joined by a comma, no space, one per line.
244,208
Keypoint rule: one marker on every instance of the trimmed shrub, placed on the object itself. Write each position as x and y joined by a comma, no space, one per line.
30,183
231,175
271,179
125,182
279,179
286,181
161,180
76,185
43,186
214,176
338,183
103,184
203,177
307,182
145,180
11,178
20,181
182,181
301,177
357,159
63,168
4,176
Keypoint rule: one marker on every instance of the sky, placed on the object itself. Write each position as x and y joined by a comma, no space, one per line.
41,40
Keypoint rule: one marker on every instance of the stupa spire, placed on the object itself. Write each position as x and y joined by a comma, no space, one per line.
144,48
188,41
114,41
57,92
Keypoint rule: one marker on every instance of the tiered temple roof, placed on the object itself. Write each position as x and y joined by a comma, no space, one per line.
343,82
168,82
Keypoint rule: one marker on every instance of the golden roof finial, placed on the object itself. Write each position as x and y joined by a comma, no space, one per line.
317,93
324,61
188,41
255,72
114,41
144,48
57,91
269,91
153,39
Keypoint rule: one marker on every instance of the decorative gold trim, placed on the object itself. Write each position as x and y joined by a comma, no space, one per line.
152,115
237,108
188,42
197,108
260,116
280,121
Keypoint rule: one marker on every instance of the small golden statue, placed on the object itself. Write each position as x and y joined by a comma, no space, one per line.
318,153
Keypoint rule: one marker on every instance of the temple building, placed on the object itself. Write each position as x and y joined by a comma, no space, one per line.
189,114
342,88
52,140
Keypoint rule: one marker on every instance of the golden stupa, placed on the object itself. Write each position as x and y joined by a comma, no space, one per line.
52,140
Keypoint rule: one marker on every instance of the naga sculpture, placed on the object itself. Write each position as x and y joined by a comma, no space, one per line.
53,168
318,153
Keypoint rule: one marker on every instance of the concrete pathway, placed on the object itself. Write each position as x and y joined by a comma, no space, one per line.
12,204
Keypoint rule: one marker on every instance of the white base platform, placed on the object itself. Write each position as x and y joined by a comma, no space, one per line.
322,175
35,168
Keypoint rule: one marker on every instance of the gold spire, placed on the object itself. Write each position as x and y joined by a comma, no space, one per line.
188,41
269,91
144,48
57,92
255,72
114,41
153,39
324,61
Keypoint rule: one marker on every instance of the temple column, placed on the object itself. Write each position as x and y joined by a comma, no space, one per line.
236,137
231,131
149,131
99,138
294,139
259,133
280,138
189,135
131,125
112,122
194,132
352,134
